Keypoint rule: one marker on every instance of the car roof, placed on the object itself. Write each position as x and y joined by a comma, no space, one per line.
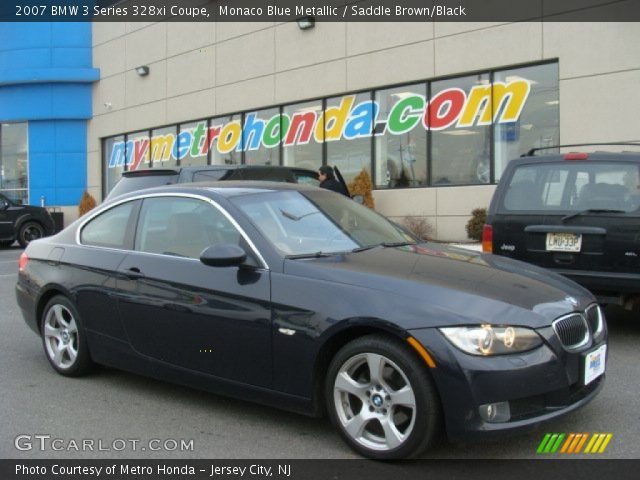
229,188
591,156
197,168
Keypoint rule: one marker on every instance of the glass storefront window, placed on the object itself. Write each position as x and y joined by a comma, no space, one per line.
225,140
455,131
349,141
401,151
113,152
459,155
164,143
138,150
300,146
261,137
191,143
539,122
14,164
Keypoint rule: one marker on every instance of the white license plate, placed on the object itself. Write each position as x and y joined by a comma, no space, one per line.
594,364
564,242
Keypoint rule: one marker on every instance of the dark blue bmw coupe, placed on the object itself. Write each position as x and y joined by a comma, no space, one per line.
303,299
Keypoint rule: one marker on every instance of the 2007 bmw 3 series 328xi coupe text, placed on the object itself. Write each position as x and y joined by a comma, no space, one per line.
306,300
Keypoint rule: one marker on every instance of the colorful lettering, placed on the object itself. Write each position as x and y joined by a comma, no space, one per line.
501,102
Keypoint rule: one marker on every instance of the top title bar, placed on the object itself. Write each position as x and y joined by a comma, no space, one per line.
320,11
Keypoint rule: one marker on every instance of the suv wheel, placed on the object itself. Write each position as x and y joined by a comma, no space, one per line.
29,231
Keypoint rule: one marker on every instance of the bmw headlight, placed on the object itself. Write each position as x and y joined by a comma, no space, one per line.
491,340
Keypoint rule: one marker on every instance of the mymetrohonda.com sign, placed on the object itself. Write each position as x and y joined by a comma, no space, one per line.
500,102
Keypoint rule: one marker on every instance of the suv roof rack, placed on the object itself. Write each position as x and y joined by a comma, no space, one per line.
531,152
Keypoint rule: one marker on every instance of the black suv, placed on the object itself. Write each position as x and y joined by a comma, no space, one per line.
577,214
139,179
23,223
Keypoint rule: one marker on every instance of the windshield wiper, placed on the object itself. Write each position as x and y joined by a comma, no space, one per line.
383,244
311,255
295,218
397,244
590,210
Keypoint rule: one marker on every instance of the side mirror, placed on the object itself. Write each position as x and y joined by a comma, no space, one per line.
359,199
224,255
3,205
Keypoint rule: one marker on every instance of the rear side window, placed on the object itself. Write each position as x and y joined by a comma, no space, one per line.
109,229
574,186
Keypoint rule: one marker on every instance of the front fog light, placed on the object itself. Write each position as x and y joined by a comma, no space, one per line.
495,412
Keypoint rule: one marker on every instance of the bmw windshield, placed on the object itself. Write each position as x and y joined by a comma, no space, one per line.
317,223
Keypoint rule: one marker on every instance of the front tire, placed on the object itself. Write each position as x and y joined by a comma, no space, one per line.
29,231
64,339
381,399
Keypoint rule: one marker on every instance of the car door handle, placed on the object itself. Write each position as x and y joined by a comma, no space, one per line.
132,273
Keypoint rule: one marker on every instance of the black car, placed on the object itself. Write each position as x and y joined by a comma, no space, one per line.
23,223
147,178
577,214
300,298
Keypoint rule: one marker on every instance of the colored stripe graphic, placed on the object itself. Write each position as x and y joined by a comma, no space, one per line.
582,441
550,443
543,443
568,442
573,443
598,443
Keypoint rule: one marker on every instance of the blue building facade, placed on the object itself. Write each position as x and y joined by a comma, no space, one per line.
46,75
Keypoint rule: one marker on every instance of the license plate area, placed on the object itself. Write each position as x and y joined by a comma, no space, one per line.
563,242
594,364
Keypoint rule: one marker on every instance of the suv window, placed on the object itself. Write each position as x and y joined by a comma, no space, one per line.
181,226
138,182
574,187
306,178
209,175
267,174
109,229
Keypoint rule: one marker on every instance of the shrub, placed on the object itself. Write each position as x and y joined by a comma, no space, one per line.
419,227
475,223
362,185
87,203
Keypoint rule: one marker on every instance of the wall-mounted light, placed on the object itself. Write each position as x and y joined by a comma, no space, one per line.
142,70
305,23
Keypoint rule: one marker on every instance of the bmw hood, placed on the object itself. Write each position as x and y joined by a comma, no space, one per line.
456,282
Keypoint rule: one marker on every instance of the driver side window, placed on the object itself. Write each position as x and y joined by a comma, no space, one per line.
182,227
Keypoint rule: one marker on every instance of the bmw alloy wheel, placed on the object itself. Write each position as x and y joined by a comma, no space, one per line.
374,401
61,336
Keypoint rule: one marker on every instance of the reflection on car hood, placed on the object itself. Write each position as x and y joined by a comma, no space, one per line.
453,279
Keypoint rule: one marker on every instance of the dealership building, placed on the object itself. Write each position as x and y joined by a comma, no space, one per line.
431,111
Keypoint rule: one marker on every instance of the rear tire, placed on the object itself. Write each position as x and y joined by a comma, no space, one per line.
29,231
381,399
64,339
